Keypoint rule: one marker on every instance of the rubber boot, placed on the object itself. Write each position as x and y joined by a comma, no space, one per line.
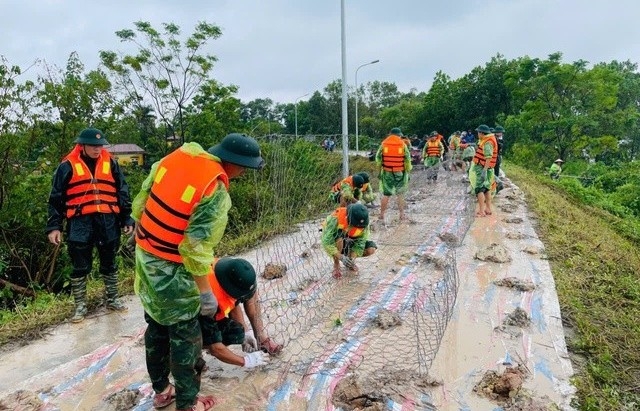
111,288
79,290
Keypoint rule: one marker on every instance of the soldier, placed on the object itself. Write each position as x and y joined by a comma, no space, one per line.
394,159
181,212
481,171
234,285
345,236
89,191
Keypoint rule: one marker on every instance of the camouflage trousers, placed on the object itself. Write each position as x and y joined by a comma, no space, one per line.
175,349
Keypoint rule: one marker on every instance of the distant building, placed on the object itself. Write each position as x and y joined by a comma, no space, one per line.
127,154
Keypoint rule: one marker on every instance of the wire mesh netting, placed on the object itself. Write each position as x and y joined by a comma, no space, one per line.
394,311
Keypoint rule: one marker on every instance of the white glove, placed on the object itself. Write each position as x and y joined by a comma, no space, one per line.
208,304
256,359
250,344
348,262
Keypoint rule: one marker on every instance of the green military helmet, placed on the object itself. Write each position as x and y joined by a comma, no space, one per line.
92,137
396,131
357,215
239,149
365,176
433,133
237,277
358,181
491,129
499,129
483,128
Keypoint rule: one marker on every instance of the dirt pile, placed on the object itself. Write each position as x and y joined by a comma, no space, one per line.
501,387
495,253
517,318
386,319
508,207
272,271
21,400
513,282
125,399
506,389
515,235
513,220
369,392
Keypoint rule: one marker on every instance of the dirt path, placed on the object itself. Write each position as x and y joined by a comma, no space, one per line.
384,329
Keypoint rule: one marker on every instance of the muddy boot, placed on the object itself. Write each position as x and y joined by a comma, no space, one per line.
79,290
111,287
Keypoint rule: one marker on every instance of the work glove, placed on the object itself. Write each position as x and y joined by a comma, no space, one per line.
348,262
256,359
250,344
483,174
208,304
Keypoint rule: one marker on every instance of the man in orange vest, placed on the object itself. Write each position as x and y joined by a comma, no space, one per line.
347,190
394,159
233,283
181,213
481,171
89,191
345,236
432,155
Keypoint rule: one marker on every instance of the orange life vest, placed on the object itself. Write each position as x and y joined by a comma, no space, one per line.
393,153
89,192
181,181
338,186
226,303
479,157
341,215
433,148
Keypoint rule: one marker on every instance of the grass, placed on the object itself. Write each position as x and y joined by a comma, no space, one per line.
596,270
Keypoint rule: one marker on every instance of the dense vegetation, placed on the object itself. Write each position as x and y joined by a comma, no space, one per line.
586,114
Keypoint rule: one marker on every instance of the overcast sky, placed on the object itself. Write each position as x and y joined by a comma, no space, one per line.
283,49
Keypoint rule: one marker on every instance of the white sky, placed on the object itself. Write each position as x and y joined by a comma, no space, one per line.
282,49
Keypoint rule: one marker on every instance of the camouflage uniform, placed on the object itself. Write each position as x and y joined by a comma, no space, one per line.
169,295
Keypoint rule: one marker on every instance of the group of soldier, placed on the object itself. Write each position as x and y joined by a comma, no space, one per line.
191,299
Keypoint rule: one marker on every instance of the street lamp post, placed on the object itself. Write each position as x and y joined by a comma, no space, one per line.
296,111
366,64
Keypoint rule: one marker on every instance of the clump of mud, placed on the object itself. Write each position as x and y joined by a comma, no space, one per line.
501,387
355,392
532,249
125,399
495,253
508,207
516,235
518,284
21,400
517,318
506,389
272,271
386,319
437,260
450,238
513,220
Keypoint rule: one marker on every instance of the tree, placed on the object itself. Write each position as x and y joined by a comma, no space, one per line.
72,100
165,71
214,113
560,103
